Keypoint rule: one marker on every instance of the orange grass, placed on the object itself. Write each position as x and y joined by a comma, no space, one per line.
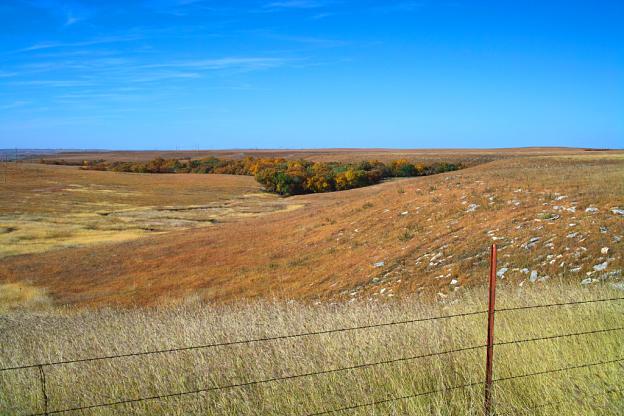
420,228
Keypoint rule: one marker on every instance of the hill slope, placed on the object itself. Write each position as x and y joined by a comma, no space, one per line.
554,216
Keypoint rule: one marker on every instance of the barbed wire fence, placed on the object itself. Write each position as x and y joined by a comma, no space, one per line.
487,383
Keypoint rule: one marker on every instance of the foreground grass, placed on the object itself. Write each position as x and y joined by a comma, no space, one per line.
33,337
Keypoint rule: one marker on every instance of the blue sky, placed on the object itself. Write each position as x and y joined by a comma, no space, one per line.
169,74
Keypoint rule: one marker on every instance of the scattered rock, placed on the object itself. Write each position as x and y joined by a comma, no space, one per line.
501,272
618,286
586,281
454,282
531,243
618,211
600,267
571,235
560,197
379,264
603,229
404,213
524,271
604,250
609,275
533,277
575,269
472,207
593,210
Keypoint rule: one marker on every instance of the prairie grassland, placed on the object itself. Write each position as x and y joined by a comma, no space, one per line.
65,334
553,216
328,155
51,207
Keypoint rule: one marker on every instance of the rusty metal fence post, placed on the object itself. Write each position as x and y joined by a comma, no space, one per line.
490,333
43,389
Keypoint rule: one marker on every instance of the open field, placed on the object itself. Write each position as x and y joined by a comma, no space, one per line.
324,155
595,390
553,216
104,263
50,207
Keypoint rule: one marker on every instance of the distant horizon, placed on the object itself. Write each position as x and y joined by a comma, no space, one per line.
225,149
310,74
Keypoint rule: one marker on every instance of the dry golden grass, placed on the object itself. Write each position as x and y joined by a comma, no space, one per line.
22,296
422,229
328,155
34,337
403,249
50,207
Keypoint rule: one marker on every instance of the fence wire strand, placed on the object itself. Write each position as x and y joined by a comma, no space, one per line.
298,335
550,305
574,334
354,367
239,342
270,380
41,366
374,403
559,402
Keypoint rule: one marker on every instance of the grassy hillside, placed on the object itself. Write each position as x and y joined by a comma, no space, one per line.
44,208
553,216
323,155
69,334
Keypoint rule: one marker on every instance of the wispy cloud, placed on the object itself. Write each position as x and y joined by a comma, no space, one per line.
89,42
309,40
401,6
14,104
294,4
319,16
53,83
71,19
70,12
165,75
245,63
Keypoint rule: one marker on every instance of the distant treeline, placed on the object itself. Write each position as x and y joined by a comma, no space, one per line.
285,177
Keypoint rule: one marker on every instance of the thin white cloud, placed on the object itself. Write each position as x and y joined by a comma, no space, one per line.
95,41
319,16
246,63
69,11
14,104
5,74
160,76
71,19
53,83
294,4
401,6
309,40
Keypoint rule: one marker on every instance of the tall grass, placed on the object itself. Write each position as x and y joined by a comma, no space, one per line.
33,337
